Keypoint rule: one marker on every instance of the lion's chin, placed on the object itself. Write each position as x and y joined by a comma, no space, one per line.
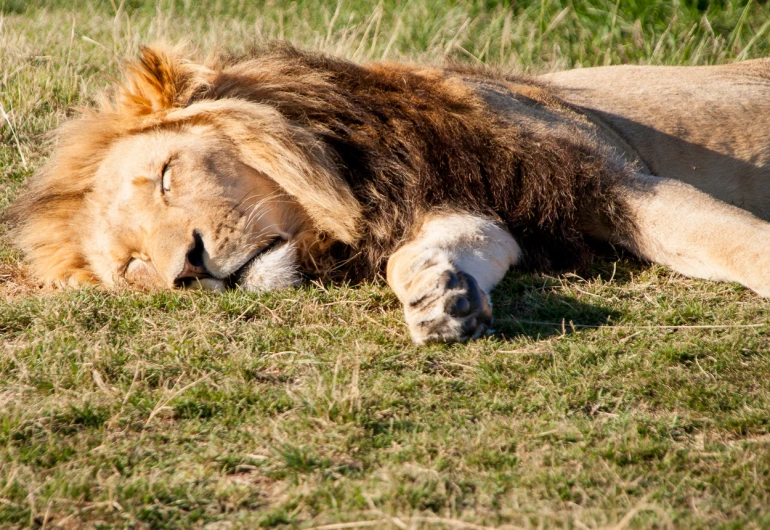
275,269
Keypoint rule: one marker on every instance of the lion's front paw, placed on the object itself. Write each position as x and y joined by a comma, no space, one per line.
446,306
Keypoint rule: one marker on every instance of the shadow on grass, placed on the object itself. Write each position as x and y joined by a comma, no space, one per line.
529,305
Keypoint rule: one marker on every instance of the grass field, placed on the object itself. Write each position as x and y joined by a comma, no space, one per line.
631,398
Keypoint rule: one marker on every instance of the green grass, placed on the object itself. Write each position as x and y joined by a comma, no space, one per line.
632,398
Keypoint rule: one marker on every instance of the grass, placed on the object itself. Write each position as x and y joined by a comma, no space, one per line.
632,398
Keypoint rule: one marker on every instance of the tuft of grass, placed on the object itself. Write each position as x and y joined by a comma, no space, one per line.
628,398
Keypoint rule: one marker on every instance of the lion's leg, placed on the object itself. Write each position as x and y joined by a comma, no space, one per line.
445,274
694,234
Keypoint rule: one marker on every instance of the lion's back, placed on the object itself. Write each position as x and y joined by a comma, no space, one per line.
708,125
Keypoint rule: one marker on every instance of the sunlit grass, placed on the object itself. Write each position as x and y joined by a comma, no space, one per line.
630,397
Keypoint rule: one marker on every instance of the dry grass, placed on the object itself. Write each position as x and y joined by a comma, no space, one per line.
632,398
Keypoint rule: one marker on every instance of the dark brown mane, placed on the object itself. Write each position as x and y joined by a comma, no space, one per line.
405,139
409,139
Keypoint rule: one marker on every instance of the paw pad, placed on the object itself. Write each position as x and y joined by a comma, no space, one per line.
451,309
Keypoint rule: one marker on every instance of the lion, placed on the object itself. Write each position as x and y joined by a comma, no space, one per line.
260,170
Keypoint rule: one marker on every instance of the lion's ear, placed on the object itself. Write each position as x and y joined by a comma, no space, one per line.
163,78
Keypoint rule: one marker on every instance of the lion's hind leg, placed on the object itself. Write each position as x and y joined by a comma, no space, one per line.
444,275
696,235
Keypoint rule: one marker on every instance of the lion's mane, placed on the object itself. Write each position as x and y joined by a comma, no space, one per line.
395,141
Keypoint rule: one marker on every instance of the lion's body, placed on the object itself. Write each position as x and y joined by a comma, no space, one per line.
299,162
707,126
410,139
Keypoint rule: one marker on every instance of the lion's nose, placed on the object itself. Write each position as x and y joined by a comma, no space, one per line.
194,267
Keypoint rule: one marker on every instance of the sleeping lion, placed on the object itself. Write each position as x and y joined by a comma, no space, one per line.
257,171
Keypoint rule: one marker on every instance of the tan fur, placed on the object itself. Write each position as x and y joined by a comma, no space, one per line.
708,126
54,211
253,171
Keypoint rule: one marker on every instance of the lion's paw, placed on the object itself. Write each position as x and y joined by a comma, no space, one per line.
447,306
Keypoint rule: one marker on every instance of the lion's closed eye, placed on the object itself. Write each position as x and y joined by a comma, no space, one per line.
165,183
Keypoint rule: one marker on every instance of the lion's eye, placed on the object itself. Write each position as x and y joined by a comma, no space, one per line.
165,183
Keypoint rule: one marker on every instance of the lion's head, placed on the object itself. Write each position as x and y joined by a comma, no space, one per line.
164,184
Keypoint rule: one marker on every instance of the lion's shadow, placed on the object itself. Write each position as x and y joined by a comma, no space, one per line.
530,305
